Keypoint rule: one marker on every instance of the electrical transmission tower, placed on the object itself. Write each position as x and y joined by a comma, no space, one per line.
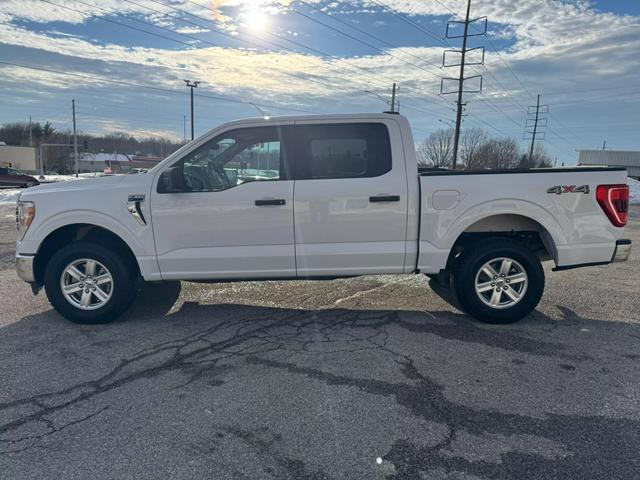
535,124
462,62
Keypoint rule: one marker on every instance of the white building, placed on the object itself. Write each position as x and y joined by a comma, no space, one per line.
613,158
20,158
96,162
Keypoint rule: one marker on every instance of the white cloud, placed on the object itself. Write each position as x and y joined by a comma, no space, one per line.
558,46
192,30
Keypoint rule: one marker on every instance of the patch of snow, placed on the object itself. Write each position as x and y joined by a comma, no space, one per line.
65,178
9,196
634,191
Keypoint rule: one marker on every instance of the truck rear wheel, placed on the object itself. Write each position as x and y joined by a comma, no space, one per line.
88,283
498,281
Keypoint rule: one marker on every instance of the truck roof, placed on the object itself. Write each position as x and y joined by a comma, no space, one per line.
329,116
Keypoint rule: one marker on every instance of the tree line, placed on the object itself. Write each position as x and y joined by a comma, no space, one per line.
478,151
60,159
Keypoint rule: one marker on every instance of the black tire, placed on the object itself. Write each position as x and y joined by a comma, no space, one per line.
474,257
123,275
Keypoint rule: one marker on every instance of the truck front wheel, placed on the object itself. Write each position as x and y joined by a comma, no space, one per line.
88,283
498,281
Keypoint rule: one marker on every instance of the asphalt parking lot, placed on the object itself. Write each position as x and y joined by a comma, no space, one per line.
367,378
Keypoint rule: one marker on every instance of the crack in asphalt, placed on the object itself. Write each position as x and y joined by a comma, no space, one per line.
168,355
426,399
252,332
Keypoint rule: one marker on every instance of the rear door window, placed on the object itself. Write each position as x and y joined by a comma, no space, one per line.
345,150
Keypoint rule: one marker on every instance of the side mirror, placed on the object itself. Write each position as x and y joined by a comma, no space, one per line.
171,180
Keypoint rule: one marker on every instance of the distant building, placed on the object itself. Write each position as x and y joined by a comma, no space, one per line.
20,158
613,158
117,162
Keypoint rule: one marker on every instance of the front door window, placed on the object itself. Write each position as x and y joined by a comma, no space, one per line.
234,158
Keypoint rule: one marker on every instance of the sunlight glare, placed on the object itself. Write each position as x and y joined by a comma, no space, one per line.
255,19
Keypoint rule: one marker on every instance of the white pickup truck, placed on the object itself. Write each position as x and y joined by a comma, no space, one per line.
316,197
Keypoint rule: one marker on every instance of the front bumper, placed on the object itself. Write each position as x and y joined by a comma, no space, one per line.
622,251
24,267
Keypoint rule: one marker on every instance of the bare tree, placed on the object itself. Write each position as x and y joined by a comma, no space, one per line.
437,149
541,158
471,142
478,151
498,153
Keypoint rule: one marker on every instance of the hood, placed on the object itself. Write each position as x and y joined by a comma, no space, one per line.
94,184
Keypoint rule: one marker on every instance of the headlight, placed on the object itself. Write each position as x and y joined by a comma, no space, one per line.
25,213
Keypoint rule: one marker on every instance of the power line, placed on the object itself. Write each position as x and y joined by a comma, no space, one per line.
411,22
236,38
290,74
304,78
325,25
363,32
150,87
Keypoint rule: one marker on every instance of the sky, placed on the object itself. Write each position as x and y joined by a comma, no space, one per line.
124,62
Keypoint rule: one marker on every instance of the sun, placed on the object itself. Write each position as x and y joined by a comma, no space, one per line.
255,19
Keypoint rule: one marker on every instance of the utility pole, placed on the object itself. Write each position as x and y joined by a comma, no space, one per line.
30,132
538,123
75,135
393,98
604,145
461,78
191,85
535,128
184,127
456,138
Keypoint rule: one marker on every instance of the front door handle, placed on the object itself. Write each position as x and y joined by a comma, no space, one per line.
384,198
270,201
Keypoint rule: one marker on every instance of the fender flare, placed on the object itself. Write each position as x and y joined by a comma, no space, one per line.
519,207
89,217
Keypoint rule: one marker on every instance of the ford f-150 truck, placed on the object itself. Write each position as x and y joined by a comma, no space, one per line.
316,197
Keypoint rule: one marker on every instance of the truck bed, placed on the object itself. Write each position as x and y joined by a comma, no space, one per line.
431,171
561,206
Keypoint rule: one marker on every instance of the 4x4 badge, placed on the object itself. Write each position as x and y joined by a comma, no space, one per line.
560,189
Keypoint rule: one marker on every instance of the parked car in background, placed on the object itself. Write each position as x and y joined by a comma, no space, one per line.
10,177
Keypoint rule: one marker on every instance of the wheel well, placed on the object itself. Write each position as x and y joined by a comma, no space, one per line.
515,227
81,231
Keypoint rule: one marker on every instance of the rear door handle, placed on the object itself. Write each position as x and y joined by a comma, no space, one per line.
270,201
384,198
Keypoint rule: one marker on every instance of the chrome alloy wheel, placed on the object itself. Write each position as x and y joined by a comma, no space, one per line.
501,283
86,284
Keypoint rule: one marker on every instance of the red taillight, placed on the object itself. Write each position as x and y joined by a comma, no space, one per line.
614,200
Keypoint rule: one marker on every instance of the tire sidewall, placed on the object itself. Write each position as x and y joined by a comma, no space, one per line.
470,264
123,283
